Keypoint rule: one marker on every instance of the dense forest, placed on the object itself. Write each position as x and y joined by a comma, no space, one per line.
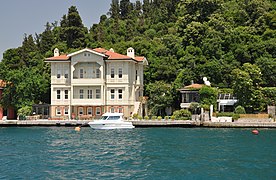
231,42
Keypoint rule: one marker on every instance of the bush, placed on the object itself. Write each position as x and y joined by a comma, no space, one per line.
206,107
193,107
236,116
154,117
159,118
135,116
182,114
172,117
140,117
166,117
25,111
240,110
146,118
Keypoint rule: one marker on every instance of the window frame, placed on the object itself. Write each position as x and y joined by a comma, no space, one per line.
120,73
120,94
81,93
81,73
58,111
112,72
90,109
66,94
58,94
80,111
112,94
98,111
98,93
98,73
58,73
89,94
66,111
120,109
66,73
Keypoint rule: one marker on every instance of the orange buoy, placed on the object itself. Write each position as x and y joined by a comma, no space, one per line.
77,128
255,131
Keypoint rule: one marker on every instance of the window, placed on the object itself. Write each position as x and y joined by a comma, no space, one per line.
112,110
66,111
58,111
84,54
89,94
112,72
58,94
98,111
66,94
112,92
98,73
98,93
136,76
120,94
120,109
81,93
58,73
120,72
89,111
66,73
81,73
80,110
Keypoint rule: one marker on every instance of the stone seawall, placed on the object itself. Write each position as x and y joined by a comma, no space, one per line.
144,123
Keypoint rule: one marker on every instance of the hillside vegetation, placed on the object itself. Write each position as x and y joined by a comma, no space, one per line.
231,42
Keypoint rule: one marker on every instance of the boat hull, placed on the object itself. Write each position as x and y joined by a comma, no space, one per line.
110,125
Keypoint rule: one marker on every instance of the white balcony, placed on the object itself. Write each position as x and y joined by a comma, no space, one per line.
60,102
96,81
54,80
87,102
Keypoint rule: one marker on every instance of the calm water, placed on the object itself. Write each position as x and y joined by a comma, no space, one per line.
154,153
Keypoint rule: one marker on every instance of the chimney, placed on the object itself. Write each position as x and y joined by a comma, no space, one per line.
56,52
130,52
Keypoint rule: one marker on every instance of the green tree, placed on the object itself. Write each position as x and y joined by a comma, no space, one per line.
160,97
73,29
46,39
125,8
114,10
208,96
246,85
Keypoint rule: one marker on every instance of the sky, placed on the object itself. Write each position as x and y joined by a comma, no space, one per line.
18,17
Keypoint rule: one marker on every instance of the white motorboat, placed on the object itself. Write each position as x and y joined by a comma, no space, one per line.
111,121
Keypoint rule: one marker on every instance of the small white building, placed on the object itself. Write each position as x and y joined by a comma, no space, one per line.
90,82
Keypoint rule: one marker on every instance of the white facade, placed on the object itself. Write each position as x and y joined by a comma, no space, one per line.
88,83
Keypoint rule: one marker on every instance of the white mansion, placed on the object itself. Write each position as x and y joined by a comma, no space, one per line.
90,82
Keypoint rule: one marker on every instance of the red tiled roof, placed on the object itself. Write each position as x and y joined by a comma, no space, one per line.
112,55
59,58
139,58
